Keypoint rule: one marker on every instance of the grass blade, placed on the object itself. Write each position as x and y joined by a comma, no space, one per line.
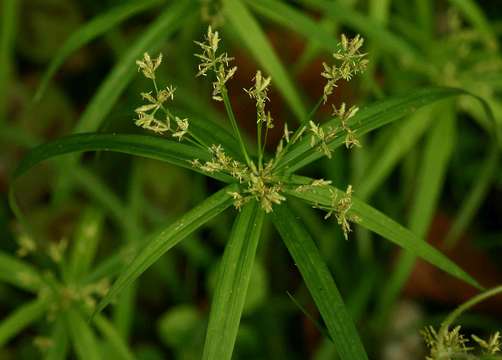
123,72
164,240
430,180
59,338
113,337
295,20
397,145
88,32
256,41
232,284
380,224
82,336
19,273
21,318
367,27
141,145
85,243
370,118
320,283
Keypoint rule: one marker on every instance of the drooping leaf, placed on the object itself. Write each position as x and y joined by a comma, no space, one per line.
256,41
320,283
232,284
368,119
91,30
164,240
141,145
437,152
375,221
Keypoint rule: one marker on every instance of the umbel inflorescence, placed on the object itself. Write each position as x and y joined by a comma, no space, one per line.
258,176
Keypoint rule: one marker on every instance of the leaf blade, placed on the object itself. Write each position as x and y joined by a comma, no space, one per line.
380,224
253,36
164,240
320,283
233,281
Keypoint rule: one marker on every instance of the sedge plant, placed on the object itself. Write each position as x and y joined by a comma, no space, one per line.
258,185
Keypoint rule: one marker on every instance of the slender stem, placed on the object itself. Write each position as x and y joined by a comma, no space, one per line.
233,122
260,150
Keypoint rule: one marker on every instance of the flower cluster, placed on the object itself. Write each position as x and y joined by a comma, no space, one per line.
259,184
350,62
344,116
321,137
219,64
259,92
446,344
156,100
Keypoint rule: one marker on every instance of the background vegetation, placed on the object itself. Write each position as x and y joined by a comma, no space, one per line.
68,67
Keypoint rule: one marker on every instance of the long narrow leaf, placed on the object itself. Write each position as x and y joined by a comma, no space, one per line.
396,146
140,145
89,31
161,242
9,10
256,41
232,285
437,152
295,20
21,318
60,341
320,283
371,118
113,337
82,336
375,221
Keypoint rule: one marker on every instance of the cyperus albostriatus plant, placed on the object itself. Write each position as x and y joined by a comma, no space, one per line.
259,185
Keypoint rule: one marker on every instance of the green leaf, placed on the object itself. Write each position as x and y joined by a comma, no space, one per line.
256,41
164,240
367,27
123,72
370,118
395,146
437,152
141,145
320,283
295,20
113,337
21,318
232,284
380,224
19,273
82,336
85,243
59,338
89,31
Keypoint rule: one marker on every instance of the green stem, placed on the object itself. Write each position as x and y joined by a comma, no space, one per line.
468,304
260,150
233,122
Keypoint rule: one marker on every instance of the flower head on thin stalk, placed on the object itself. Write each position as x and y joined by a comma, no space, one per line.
259,92
210,61
350,62
149,66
